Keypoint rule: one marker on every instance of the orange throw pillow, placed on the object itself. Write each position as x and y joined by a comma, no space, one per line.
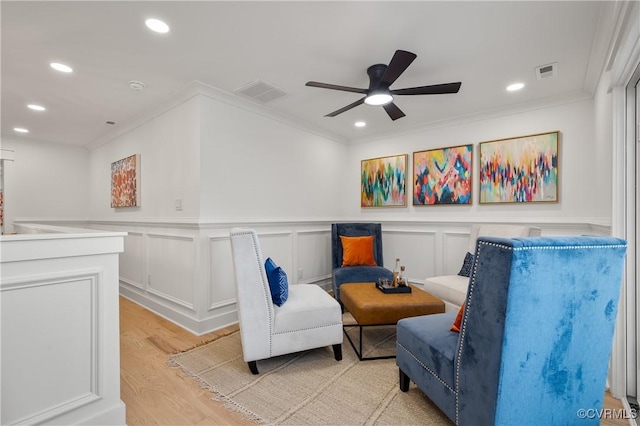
458,322
357,251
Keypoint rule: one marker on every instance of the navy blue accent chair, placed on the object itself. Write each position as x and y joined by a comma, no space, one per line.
535,337
356,274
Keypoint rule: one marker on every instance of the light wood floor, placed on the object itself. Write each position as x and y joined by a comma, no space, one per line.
158,395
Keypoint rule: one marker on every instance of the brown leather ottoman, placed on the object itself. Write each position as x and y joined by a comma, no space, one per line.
370,307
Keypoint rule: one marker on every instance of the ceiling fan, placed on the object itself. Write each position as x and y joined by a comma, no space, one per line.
380,78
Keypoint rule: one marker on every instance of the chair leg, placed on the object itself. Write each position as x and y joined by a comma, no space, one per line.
404,381
337,352
253,367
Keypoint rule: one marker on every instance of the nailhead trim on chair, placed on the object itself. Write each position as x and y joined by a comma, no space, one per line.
463,328
433,373
553,248
472,282
309,328
262,275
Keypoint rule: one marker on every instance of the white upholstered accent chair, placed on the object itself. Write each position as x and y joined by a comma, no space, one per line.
453,288
310,318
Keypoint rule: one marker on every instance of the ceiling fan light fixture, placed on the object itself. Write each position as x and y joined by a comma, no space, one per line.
515,87
378,98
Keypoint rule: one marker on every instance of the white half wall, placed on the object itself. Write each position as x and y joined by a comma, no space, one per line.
60,351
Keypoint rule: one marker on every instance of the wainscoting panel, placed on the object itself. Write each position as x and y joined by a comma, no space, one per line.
222,288
279,247
314,257
454,248
171,264
51,341
416,250
132,264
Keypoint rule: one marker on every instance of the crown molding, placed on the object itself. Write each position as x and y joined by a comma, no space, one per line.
549,102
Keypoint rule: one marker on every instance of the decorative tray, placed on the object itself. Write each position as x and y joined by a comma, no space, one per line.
385,288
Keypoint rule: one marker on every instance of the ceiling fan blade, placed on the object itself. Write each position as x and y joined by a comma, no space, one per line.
399,63
335,87
393,111
436,89
347,108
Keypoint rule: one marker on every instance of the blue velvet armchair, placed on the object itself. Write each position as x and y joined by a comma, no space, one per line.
535,336
356,274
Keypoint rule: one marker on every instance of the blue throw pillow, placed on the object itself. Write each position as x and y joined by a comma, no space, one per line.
278,283
465,271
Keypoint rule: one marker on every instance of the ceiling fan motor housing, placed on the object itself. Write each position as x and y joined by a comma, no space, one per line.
375,73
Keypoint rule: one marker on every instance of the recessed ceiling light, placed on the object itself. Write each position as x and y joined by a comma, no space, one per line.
136,85
36,107
157,25
515,86
20,130
360,124
61,67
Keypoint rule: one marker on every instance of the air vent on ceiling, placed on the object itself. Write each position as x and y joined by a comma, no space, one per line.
547,71
261,91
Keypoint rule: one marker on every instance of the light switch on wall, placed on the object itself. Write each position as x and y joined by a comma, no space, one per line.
179,204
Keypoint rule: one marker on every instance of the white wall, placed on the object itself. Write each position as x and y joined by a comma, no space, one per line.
579,148
169,149
254,167
603,147
45,181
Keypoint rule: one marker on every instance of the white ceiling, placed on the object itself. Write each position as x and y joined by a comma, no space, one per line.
227,45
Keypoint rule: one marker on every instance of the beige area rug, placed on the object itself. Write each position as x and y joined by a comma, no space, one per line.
311,387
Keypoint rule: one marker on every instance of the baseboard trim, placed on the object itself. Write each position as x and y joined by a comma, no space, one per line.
189,323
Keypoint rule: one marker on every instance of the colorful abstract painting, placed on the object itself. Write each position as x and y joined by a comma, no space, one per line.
383,181
442,176
125,182
520,170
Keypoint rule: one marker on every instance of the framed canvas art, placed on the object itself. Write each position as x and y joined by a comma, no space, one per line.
383,181
442,176
524,169
125,182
